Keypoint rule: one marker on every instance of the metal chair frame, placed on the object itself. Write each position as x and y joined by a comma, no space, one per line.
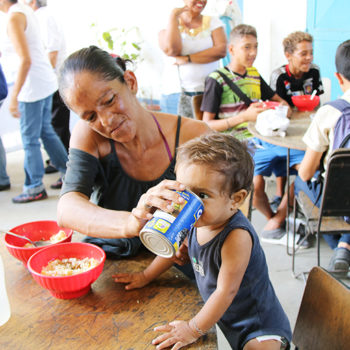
335,203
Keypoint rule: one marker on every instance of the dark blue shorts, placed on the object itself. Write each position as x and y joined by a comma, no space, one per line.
270,158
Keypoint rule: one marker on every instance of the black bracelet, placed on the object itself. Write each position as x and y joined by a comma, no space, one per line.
189,58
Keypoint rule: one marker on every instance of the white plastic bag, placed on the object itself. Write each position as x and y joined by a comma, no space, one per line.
272,122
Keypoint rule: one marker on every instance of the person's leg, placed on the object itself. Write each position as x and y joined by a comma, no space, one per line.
280,184
4,178
169,103
31,124
260,199
52,143
313,190
254,344
263,164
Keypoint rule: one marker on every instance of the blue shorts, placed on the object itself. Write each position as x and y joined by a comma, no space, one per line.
270,158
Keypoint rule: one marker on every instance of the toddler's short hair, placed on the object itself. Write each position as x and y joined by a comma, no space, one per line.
241,30
293,39
342,59
222,153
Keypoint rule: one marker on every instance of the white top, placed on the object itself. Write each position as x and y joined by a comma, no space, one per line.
52,34
320,134
41,80
192,74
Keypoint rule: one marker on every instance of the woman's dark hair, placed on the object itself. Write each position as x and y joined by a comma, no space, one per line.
342,59
94,60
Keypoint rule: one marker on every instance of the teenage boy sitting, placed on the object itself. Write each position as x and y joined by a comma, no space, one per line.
224,249
224,110
319,140
300,76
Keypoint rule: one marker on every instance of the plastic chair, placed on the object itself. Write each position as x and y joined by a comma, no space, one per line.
335,203
323,320
196,106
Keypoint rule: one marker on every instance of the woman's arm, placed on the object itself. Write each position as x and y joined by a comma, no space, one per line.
309,164
16,26
170,38
214,53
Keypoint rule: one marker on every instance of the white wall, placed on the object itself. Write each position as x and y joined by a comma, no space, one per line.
273,19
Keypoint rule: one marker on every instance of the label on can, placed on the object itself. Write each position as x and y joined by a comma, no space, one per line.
165,232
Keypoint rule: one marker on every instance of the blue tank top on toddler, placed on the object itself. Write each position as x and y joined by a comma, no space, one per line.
255,310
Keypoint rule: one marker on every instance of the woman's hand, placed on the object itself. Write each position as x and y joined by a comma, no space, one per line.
177,332
13,107
161,196
176,12
131,280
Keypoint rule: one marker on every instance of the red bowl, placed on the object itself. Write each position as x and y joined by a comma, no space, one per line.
271,104
67,287
304,103
36,231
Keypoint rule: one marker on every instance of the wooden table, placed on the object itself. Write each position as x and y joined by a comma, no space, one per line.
108,317
299,123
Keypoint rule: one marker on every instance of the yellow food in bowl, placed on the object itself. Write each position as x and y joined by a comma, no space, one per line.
58,237
68,267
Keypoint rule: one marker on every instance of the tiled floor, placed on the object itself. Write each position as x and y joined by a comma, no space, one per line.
288,288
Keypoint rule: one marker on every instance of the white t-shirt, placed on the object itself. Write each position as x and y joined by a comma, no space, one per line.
320,134
41,80
52,34
192,74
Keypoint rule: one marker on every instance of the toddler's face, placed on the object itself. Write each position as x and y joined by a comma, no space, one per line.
207,184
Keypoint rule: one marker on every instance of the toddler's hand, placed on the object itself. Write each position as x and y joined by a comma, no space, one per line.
132,280
177,332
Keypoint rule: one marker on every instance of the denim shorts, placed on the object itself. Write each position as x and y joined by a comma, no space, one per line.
269,158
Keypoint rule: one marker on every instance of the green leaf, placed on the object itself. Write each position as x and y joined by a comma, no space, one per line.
137,47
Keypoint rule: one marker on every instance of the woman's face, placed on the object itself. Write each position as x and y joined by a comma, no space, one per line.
195,5
107,106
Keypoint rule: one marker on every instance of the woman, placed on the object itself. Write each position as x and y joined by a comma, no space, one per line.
196,42
31,97
118,150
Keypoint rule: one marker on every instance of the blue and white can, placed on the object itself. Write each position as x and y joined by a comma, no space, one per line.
164,233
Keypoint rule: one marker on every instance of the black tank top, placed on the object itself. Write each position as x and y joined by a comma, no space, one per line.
106,182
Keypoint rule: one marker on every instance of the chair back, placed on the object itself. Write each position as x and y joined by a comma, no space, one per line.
196,106
336,191
323,321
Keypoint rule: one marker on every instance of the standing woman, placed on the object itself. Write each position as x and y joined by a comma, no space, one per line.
118,151
194,45
31,97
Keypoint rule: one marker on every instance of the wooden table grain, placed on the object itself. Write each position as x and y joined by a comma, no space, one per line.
108,317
